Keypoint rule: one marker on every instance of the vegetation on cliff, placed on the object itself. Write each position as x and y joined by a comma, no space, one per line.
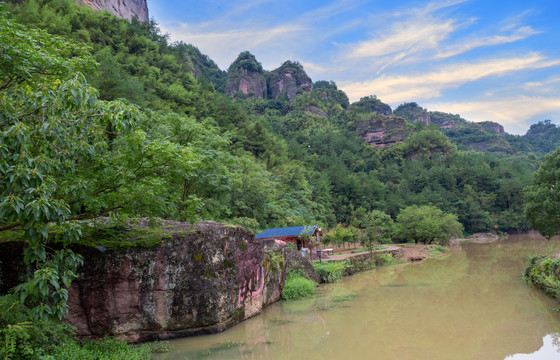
305,160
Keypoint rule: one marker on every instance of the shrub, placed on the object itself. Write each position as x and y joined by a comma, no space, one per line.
106,349
544,273
330,271
23,338
385,259
298,287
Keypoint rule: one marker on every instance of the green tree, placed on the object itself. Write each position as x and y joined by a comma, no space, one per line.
379,228
427,224
542,197
342,235
65,155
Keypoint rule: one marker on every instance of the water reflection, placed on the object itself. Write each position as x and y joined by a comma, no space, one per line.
549,350
470,305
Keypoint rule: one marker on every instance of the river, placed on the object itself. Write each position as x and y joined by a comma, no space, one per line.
472,304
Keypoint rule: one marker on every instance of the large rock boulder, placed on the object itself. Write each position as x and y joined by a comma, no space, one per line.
200,279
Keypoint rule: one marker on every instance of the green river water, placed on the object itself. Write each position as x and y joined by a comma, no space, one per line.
472,304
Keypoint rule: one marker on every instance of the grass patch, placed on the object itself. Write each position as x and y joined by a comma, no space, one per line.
279,322
220,347
436,250
382,259
298,287
122,236
374,248
330,271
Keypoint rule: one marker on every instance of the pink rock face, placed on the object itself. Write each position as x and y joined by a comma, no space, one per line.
244,86
197,281
377,135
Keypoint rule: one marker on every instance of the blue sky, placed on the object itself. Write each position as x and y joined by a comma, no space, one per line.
483,59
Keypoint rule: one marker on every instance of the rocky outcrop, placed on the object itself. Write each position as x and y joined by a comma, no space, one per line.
492,127
380,131
288,80
373,105
126,9
200,279
314,110
297,263
246,77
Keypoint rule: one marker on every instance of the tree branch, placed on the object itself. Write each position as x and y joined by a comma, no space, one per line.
10,226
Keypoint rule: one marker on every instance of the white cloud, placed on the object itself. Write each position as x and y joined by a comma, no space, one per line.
224,46
412,87
548,86
408,34
514,113
519,34
328,11
310,66
404,38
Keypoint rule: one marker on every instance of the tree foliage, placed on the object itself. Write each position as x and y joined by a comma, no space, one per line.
542,197
426,224
379,227
67,156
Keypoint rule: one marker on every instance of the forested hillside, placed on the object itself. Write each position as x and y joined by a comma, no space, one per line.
271,162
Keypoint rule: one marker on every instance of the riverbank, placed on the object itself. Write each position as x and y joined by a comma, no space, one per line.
544,273
362,259
469,304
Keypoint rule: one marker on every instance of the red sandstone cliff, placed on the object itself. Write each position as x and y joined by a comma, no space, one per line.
126,9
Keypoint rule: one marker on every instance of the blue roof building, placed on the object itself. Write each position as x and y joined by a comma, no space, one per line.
289,232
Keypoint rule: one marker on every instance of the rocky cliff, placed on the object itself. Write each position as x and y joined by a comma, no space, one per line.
381,130
126,9
200,279
492,127
288,80
246,77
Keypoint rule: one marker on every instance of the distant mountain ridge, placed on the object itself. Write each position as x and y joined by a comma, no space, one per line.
247,79
378,124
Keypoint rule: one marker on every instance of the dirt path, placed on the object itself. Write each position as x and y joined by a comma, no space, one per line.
409,252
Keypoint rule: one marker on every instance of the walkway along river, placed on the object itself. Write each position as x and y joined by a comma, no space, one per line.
472,304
